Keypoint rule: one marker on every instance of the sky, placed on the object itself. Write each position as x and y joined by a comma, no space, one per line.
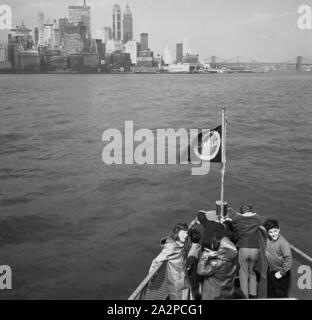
260,30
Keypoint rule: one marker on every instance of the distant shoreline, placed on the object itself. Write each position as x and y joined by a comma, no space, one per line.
136,73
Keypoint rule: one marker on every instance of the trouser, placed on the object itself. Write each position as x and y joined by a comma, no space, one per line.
278,288
248,258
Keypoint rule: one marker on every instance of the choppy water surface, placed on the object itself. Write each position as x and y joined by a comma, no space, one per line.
74,228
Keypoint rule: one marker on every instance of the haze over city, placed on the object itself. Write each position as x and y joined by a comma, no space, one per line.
260,30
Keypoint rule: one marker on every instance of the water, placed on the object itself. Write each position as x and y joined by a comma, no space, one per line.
74,228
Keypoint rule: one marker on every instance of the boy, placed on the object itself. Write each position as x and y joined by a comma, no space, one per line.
278,253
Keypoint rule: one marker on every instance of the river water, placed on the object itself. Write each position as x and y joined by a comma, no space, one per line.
72,227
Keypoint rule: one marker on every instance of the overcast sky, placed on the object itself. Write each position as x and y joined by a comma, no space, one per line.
263,30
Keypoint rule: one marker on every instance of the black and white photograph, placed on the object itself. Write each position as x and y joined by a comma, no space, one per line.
155,150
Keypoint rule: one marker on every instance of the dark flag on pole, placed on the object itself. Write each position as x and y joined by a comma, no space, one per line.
207,146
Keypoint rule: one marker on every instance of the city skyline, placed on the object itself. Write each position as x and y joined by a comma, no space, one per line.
263,31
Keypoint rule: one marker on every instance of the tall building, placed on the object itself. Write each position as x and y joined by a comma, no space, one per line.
4,53
179,55
144,41
81,14
107,33
41,27
116,22
168,56
131,47
36,35
127,25
47,34
62,24
74,38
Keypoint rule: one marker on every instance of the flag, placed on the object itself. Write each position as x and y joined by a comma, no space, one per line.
207,146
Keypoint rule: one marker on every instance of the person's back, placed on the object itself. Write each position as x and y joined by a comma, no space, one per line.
211,228
219,271
247,225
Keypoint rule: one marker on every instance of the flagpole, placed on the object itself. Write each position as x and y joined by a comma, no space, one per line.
223,161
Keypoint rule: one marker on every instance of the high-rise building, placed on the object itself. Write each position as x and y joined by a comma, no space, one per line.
116,22
41,27
74,38
62,24
168,56
107,33
47,34
179,55
131,47
127,25
81,14
4,53
36,35
144,41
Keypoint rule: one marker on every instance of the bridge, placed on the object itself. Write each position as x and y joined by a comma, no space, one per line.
299,63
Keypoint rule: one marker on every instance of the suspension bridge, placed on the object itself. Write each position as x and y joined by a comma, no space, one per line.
298,63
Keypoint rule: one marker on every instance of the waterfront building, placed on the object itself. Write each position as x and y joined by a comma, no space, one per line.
131,47
146,54
192,61
144,41
116,22
4,49
168,56
120,62
179,53
145,62
127,25
82,14
29,60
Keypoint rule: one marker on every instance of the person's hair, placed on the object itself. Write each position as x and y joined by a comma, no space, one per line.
194,235
271,224
214,242
246,208
177,228
229,225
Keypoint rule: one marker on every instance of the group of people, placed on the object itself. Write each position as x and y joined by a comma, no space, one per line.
205,258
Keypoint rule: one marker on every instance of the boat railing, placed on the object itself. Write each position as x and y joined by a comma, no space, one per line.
154,286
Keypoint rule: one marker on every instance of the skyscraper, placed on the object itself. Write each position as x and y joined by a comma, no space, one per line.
81,14
127,25
117,22
179,52
144,41
41,27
